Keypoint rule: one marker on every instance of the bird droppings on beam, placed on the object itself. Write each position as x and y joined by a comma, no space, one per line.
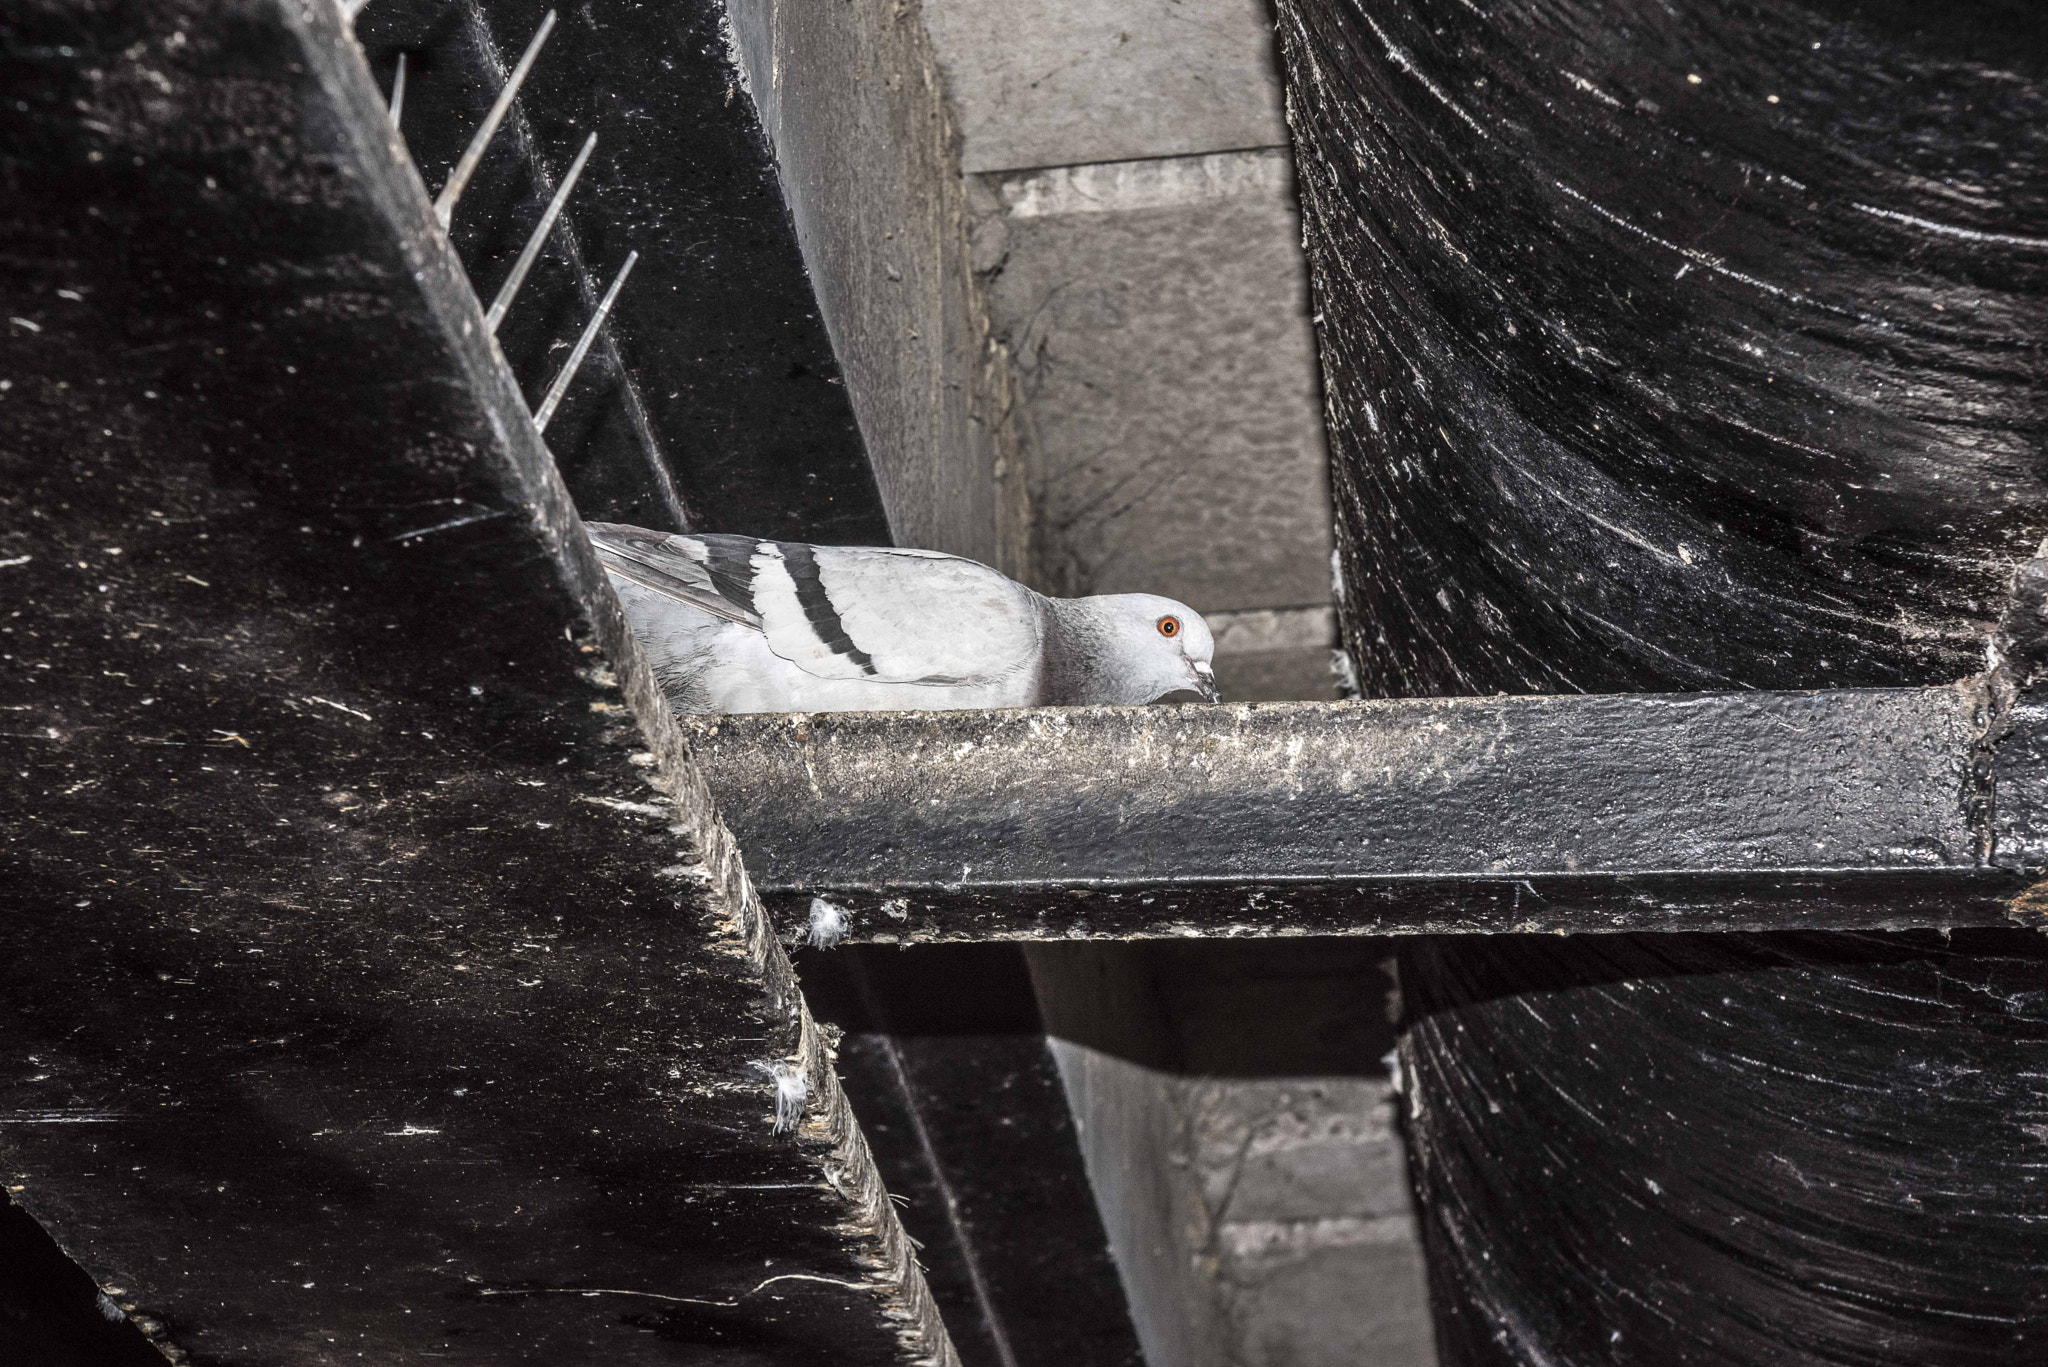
1752,810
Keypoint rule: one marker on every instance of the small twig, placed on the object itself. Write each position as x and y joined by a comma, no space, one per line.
450,524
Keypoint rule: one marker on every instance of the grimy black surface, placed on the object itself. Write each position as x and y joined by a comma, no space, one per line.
1673,347
380,985
1851,808
946,1064
1690,348
1777,1148
51,1313
728,413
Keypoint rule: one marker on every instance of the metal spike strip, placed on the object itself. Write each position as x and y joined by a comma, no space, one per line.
398,91
458,179
510,288
561,385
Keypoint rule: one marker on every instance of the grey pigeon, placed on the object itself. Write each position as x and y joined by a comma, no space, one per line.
736,624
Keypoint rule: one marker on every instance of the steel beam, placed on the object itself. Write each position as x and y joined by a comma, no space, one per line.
1863,807
379,983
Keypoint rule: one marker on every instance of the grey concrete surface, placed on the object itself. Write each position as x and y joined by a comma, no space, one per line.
1274,654
1064,82
1098,375
1251,1181
850,97
1157,316
1315,1250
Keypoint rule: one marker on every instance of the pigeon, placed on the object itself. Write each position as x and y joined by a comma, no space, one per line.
738,624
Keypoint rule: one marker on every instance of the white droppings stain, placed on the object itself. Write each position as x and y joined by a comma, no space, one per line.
339,707
1719,267
829,924
1401,59
791,1091
621,805
1581,83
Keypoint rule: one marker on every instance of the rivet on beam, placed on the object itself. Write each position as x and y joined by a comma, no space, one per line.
458,180
561,385
540,235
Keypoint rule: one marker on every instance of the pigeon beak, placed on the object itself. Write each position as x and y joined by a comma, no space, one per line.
1205,682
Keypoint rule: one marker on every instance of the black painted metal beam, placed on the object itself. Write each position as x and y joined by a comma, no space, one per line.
1862,807
379,983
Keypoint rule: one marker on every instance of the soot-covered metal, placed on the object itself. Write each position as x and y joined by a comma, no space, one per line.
1695,346
380,983
1852,808
1732,1149
1676,347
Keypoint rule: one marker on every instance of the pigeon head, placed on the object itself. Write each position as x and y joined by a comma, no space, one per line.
1136,648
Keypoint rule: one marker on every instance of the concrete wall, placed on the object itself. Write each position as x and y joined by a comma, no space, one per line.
1074,82
1238,1130
850,96
1056,245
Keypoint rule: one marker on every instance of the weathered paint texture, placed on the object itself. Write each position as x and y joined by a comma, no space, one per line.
1809,1149
381,983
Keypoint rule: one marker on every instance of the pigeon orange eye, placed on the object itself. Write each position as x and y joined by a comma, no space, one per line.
1169,626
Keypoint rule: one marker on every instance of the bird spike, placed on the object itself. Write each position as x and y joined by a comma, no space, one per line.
397,90
533,243
561,384
458,179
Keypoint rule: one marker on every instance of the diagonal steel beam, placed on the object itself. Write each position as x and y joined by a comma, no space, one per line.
1648,811
380,984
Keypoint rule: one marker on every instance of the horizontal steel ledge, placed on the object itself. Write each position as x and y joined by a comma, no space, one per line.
1847,807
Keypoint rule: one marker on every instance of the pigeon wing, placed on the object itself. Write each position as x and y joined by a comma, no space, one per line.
709,573
895,616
